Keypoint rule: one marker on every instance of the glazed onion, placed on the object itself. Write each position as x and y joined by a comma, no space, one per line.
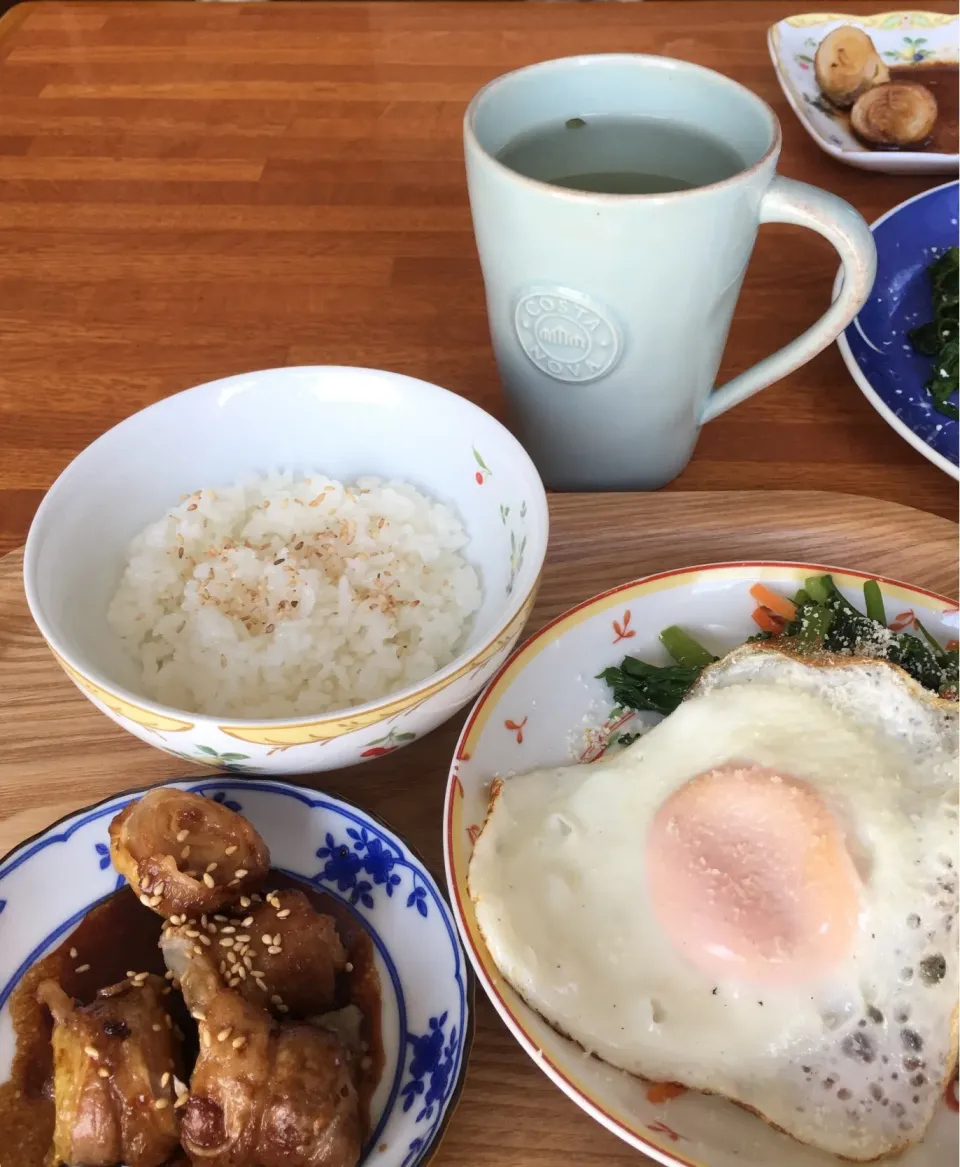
900,113
847,64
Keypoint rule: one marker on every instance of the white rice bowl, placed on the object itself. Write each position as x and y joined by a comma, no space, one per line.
350,423
290,595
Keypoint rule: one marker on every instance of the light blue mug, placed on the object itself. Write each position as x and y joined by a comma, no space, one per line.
609,313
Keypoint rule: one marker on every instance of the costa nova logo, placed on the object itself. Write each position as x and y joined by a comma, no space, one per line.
567,335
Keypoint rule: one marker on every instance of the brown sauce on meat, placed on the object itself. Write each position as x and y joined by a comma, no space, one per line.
26,1100
119,936
942,81
360,987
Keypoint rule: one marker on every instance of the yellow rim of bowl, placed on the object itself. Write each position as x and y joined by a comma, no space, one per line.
319,729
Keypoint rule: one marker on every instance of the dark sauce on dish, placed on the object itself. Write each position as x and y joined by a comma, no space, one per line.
360,987
942,81
119,936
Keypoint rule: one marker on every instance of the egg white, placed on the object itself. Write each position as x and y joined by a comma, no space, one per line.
853,1062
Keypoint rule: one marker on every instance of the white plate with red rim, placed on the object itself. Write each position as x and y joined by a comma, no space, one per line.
901,38
545,707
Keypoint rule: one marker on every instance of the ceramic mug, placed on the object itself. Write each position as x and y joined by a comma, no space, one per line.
609,313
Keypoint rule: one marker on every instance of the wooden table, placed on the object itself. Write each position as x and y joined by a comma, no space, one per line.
193,190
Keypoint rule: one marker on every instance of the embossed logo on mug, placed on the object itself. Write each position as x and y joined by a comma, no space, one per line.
567,335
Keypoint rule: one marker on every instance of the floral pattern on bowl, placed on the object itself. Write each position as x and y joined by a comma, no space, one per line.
426,982
901,38
546,707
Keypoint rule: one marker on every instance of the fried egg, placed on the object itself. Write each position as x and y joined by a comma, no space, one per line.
757,899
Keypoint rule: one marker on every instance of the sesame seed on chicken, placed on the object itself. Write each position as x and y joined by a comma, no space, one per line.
290,970
183,854
106,1056
262,1091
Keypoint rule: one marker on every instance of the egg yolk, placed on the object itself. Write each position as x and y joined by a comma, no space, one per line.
750,876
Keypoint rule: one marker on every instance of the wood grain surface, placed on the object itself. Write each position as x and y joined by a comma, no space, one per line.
58,752
193,190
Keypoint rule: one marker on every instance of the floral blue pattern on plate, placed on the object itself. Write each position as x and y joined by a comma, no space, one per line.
426,983
876,346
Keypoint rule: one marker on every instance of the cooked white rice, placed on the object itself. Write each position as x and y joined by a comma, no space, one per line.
295,595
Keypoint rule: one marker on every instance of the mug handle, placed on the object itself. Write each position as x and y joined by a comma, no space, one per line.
786,201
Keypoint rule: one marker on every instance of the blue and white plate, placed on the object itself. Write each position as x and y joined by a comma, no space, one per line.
876,346
48,883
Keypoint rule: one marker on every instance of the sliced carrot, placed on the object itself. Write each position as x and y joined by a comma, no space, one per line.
768,621
664,1091
776,603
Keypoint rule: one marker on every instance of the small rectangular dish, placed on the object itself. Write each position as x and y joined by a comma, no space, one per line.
905,41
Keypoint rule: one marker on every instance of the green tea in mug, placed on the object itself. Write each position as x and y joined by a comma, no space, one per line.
611,154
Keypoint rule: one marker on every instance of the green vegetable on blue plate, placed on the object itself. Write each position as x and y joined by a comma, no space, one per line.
939,339
824,622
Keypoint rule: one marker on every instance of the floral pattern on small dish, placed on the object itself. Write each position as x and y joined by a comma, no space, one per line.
622,629
430,1065
906,38
515,727
911,52
368,854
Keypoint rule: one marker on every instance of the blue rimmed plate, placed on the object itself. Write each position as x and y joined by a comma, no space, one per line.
876,346
426,983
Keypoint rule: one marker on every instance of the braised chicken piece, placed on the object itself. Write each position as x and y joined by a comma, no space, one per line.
115,1065
278,952
300,965
264,1094
184,854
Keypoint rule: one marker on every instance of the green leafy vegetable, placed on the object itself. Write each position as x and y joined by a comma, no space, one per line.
637,685
873,599
852,632
939,339
816,589
811,626
684,649
825,621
